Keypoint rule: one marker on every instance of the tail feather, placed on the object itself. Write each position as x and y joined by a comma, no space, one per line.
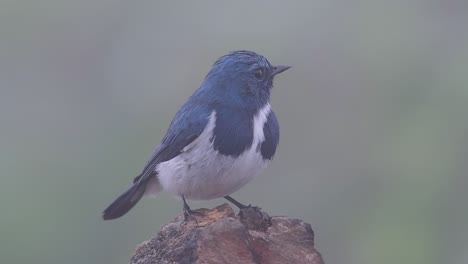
125,202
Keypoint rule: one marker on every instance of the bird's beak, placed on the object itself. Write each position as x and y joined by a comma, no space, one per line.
279,69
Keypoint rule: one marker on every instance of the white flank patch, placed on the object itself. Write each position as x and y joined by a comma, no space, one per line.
258,123
201,173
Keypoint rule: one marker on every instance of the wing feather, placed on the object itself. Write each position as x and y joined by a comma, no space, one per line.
186,126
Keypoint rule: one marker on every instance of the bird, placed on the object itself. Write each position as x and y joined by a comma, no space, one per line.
222,137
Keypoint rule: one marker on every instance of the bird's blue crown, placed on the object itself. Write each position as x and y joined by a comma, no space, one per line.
241,79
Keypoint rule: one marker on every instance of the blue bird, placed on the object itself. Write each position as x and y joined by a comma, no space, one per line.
222,137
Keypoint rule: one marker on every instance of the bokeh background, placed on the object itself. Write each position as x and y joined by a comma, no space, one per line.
374,121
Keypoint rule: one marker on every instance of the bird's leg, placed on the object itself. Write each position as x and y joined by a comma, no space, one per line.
236,203
188,212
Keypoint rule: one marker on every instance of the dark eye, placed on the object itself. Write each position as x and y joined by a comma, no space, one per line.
258,73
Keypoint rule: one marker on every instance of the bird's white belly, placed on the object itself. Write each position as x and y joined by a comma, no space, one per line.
206,174
200,172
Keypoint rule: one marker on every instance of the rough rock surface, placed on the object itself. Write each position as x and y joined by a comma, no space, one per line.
219,236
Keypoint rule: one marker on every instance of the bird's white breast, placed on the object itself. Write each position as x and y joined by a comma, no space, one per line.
200,172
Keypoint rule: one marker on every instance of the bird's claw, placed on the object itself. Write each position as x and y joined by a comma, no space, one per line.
190,214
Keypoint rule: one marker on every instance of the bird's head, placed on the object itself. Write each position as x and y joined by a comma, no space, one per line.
242,78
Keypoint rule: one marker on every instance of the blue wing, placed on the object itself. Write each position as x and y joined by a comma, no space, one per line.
271,132
186,126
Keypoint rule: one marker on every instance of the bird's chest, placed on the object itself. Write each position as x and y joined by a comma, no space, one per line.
202,171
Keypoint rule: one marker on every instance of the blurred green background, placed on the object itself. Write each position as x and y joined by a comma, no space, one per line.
374,121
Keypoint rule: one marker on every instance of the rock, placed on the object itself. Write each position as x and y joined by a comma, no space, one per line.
219,236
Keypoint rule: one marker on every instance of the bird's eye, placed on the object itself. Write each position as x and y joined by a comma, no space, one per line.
258,74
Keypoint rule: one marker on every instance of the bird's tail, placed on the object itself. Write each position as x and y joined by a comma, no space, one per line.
125,202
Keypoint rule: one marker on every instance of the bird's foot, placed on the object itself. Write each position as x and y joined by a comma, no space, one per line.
189,213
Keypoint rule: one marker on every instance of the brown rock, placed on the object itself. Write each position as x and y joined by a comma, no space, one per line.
219,236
